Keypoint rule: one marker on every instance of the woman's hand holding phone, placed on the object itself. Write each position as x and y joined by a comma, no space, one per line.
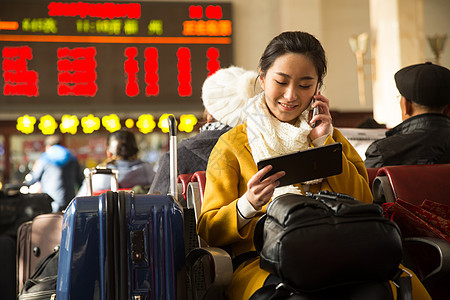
321,117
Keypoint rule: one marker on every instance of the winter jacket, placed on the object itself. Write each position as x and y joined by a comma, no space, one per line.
422,139
59,174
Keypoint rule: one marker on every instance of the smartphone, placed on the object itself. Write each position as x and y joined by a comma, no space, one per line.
316,109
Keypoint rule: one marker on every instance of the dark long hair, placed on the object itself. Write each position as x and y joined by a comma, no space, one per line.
122,146
295,42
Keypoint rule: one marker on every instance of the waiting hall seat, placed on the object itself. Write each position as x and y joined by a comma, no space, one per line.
209,269
427,257
412,183
417,198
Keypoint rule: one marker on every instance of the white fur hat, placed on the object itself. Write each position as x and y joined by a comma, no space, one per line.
226,92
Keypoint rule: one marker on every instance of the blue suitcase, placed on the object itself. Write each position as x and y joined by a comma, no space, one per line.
119,245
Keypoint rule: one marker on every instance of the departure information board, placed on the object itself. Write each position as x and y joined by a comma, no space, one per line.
121,57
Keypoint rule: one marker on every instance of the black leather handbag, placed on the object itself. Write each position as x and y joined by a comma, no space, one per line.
327,240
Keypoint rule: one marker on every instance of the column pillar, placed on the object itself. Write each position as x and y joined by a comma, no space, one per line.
397,40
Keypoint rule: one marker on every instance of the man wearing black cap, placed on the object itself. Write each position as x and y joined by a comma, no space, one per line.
424,135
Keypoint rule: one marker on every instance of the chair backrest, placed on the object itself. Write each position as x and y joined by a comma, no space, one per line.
200,178
412,183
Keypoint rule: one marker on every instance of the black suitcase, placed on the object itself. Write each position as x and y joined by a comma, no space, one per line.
17,208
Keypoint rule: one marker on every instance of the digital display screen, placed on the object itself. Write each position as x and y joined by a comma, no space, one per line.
99,57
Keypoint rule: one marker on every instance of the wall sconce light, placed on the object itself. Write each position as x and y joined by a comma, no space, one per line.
437,43
358,44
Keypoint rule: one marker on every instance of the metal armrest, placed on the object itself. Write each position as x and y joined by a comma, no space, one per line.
193,198
215,265
194,202
429,258
382,190
418,249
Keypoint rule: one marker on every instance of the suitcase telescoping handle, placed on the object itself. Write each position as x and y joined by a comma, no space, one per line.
173,156
88,173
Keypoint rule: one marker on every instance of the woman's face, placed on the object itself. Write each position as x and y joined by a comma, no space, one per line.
289,85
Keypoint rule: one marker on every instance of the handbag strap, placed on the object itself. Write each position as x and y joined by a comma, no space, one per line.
278,291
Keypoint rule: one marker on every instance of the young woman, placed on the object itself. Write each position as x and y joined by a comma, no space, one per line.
279,121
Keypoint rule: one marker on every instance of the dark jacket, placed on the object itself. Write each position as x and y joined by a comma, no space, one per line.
192,154
60,175
422,139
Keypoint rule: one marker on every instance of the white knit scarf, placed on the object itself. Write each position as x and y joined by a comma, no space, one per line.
269,137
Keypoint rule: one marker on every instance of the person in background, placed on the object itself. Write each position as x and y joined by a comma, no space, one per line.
122,155
222,94
424,135
58,172
278,122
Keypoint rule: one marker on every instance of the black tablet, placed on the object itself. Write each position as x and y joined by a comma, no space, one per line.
313,163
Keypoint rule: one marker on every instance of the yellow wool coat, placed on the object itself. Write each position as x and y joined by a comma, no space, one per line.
230,167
